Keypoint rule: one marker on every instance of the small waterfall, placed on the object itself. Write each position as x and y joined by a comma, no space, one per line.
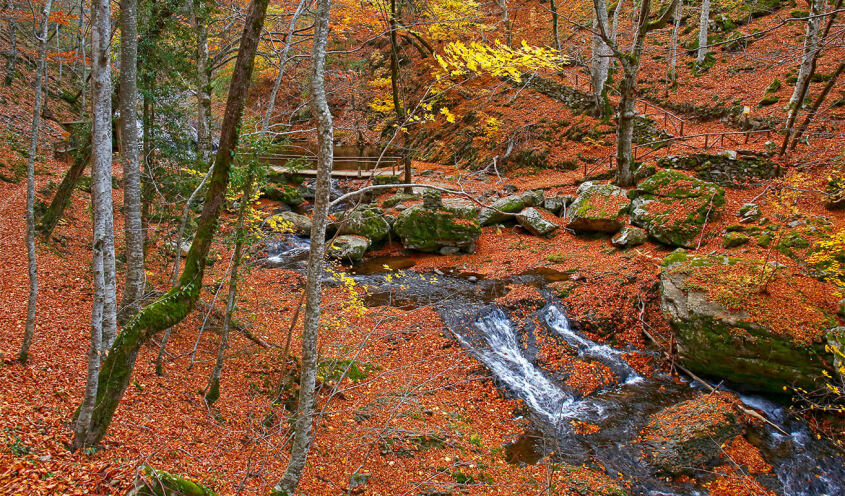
557,321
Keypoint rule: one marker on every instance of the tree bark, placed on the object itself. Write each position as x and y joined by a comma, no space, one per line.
673,60
325,136
203,87
816,105
703,24
600,59
103,227
177,303
40,74
805,68
134,282
555,24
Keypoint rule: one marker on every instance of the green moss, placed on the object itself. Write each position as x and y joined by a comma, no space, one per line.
734,239
769,100
774,86
163,483
765,240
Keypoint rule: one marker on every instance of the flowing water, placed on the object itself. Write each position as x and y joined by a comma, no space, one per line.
803,465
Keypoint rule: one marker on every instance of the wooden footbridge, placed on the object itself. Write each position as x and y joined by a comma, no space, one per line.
344,166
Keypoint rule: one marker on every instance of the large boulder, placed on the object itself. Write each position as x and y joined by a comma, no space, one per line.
452,227
727,327
498,210
629,236
688,436
154,482
532,220
599,208
349,247
673,207
367,221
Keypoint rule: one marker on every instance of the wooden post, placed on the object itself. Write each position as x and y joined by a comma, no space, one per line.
682,128
705,141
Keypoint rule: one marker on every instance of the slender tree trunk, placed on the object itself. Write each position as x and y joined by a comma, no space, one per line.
503,4
212,390
811,46
397,98
600,60
177,264
673,57
625,129
101,196
63,194
177,303
11,69
198,21
135,279
816,105
325,136
40,74
703,24
283,60
83,78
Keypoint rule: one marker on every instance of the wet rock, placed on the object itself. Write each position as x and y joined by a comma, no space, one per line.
453,225
532,220
368,222
513,204
687,437
734,239
349,247
673,207
599,208
629,236
296,223
729,343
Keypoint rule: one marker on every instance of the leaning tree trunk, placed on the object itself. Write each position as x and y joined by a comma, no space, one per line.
555,24
703,24
816,105
177,303
625,129
805,69
40,74
101,199
61,199
325,133
133,290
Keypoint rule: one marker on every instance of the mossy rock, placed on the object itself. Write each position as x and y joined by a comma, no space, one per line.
449,229
776,84
734,239
598,208
672,207
349,247
368,222
513,204
156,482
769,100
399,198
688,436
732,344
286,194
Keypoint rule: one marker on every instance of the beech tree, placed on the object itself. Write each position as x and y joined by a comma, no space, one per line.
630,62
133,290
703,24
177,303
32,266
313,284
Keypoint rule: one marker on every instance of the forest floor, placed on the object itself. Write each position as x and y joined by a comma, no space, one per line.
423,417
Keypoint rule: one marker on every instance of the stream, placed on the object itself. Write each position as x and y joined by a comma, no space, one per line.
802,464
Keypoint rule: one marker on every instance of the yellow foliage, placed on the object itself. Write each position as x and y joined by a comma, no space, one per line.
497,60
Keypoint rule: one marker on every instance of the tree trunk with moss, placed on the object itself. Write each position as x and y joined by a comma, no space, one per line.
40,74
325,137
703,24
11,61
177,303
61,199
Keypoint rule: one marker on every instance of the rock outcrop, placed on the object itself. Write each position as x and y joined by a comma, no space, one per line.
512,204
598,208
449,227
673,207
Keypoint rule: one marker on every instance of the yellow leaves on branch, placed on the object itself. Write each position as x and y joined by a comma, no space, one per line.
497,60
